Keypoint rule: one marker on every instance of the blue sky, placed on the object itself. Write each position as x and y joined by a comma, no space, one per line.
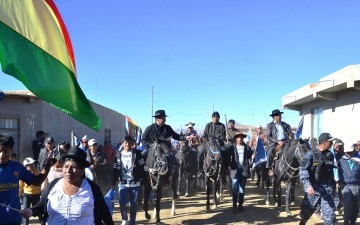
237,57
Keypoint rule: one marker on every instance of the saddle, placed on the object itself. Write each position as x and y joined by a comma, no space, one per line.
276,153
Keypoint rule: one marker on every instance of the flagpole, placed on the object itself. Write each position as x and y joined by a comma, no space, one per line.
152,103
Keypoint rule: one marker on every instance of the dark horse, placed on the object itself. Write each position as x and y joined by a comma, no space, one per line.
286,170
212,168
188,165
162,170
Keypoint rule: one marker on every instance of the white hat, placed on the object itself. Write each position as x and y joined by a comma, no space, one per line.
85,137
29,161
190,124
92,142
349,149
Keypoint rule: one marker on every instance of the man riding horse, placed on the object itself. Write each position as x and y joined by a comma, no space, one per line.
278,132
160,131
213,130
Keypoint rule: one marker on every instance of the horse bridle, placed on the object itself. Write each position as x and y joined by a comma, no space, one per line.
215,165
283,158
158,169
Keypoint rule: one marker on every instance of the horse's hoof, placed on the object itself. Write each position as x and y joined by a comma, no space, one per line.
276,204
187,195
207,209
214,207
267,202
279,209
289,215
147,216
172,214
178,193
292,203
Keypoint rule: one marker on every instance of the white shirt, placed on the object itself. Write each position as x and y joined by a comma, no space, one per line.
127,169
240,150
70,210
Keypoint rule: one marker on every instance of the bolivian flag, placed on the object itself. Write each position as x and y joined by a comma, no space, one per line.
35,48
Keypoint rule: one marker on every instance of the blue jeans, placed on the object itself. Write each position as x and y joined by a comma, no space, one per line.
128,194
238,189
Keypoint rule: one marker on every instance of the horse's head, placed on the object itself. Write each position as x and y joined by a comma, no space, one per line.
157,160
214,150
301,148
184,146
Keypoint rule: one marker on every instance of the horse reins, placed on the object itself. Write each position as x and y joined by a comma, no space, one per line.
289,166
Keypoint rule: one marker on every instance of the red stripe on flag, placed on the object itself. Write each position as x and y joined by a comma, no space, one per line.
64,32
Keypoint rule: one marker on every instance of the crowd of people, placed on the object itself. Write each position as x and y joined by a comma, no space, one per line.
64,184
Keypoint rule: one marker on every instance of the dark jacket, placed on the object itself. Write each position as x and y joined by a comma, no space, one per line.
346,175
101,211
272,133
216,131
316,169
138,170
164,133
42,159
235,158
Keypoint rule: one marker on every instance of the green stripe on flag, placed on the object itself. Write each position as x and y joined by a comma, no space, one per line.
45,76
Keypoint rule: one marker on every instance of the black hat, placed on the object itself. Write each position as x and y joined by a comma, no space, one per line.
276,112
324,137
160,113
232,121
215,114
78,155
49,139
40,132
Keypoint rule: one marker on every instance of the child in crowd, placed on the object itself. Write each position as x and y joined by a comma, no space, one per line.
30,194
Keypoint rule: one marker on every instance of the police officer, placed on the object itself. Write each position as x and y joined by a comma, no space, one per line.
349,171
316,173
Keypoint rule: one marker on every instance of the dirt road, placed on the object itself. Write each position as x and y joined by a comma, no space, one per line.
191,210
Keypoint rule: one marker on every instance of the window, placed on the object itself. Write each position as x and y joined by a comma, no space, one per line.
10,127
317,121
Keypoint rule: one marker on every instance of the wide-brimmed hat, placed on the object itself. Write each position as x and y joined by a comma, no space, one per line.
190,124
276,112
160,113
29,161
240,134
78,155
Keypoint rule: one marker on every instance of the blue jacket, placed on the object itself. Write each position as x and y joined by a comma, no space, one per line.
348,176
